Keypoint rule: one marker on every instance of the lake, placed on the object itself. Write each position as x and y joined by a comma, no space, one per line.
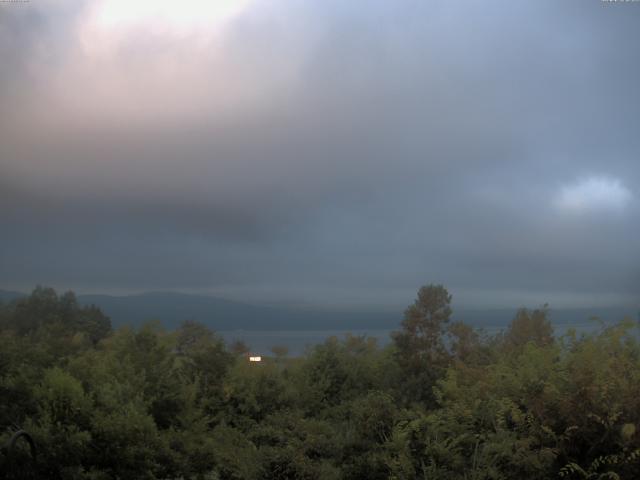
297,341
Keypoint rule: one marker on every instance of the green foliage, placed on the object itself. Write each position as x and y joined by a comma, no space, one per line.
442,401
529,327
45,311
420,348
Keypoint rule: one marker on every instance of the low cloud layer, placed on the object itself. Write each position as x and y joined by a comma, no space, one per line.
323,152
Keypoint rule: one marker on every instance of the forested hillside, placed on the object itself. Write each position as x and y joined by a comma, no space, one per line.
441,401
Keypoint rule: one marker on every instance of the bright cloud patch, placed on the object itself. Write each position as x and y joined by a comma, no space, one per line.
594,193
160,17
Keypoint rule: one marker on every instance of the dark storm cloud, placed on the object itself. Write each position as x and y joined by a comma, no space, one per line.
327,151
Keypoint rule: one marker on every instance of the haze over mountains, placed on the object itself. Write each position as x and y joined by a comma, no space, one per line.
171,308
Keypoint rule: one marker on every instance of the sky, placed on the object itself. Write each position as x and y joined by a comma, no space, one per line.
323,152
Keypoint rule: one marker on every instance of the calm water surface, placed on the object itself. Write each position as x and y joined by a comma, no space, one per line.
298,341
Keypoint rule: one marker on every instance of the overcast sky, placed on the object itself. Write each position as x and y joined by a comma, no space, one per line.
328,152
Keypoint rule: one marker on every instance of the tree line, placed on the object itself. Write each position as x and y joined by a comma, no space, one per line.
441,401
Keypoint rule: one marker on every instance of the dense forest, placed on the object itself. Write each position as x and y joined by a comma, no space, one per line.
441,401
